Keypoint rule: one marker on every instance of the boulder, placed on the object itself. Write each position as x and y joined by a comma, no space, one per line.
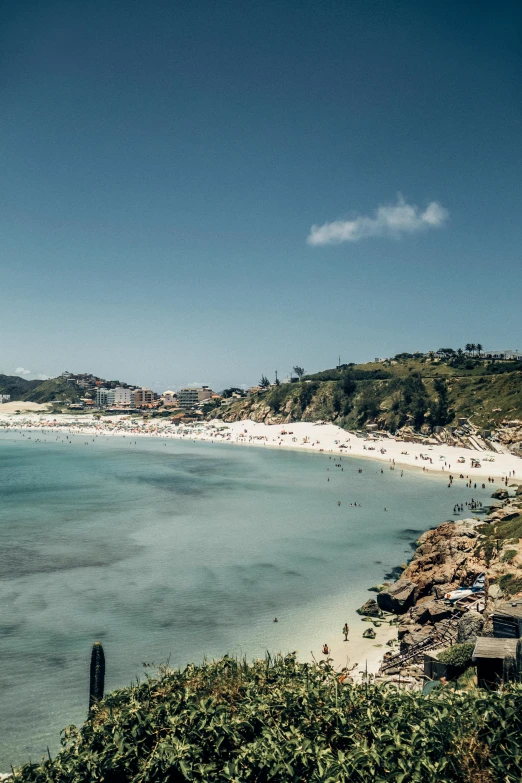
438,611
415,636
398,597
469,627
370,609
439,591
407,628
500,494
369,634
420,613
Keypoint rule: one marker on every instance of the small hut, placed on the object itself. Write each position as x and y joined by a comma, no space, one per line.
496,660
507,620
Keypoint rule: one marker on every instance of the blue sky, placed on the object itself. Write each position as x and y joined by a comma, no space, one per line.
164,164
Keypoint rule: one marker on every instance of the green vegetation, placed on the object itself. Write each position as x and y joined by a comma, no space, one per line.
277,720
495,533
509,556
458,656
54,389
413,390
510,584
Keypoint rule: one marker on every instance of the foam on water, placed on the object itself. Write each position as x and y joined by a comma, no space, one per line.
180,551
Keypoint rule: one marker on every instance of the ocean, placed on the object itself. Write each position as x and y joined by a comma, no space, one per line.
175,551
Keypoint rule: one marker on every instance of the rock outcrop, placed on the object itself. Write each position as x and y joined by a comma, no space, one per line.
370,609
445,558
398,597
469,627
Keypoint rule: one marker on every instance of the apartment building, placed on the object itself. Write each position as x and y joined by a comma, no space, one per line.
143,397
123,396
192,395
104,397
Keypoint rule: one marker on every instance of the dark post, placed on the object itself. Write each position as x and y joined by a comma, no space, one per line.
97,674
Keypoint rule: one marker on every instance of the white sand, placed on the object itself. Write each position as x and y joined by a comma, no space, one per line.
12,407
332,439
365,654
328,438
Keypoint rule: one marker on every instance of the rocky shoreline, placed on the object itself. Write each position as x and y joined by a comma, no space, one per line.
447,557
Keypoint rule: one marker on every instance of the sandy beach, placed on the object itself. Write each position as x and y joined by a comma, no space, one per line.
433,459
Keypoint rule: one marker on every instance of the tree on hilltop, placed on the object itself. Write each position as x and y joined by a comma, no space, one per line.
264,383
299,371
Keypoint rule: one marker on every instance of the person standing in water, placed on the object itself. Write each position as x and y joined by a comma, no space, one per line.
346,631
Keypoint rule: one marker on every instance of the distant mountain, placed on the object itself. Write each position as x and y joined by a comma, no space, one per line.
17,387
51,390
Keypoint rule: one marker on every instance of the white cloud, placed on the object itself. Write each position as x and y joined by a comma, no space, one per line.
389,221
38,376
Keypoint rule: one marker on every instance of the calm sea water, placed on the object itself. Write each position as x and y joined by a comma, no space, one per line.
179,551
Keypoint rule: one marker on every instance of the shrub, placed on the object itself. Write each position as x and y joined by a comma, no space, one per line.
511,584
458,656
278,720
509,556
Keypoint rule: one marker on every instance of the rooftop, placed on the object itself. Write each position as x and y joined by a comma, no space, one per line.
511,608
488,647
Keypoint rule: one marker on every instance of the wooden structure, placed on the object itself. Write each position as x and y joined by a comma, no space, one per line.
507,620
496,660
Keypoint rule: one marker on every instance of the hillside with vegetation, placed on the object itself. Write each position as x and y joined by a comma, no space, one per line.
278,720
51,390
415,391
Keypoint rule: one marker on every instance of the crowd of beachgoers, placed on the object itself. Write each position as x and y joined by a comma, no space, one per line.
310,436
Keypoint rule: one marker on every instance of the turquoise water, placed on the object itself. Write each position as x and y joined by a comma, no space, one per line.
179,551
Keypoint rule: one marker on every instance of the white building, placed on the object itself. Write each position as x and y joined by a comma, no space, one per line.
5,398
104,397
170,398
123,396
517,355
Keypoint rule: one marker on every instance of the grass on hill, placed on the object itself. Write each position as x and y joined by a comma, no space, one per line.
277,720
411,391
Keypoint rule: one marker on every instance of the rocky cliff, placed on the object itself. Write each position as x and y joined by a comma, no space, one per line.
451,555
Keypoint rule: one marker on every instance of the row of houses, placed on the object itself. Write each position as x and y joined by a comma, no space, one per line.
127,397
504,355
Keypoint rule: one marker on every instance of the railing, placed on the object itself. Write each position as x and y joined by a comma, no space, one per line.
445,634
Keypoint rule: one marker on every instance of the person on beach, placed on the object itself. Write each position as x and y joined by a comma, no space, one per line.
346,631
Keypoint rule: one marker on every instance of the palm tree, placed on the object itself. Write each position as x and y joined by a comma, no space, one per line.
479,348
469,347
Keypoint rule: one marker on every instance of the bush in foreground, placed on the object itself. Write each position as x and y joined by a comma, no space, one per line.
277,720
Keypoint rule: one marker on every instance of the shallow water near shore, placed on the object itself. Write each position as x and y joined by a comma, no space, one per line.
177,551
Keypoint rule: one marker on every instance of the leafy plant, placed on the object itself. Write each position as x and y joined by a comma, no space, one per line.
458,656
281,721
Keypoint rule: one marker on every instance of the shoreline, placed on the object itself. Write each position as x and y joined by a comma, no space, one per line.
363,654
433,459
